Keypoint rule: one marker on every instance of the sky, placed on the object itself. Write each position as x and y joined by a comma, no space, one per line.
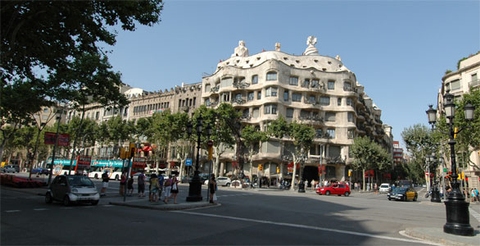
399,50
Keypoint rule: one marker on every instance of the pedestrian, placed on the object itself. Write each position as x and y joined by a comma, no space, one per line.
212,188
168,189
130,186
154,187
473,197
174,189
105,180
477,194
375,188
123,182
141,185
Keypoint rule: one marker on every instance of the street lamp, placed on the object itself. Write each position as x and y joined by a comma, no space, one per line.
458,217
195,188
59,116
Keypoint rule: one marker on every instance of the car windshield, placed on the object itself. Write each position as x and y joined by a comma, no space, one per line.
399,189
80,181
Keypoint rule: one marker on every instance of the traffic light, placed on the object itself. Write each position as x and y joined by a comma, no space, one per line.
123,153
260,167
132,150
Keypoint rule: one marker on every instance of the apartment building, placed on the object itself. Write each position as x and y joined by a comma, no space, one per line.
459,82
310,88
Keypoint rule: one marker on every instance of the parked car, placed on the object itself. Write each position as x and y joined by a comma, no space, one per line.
11,169
223,181
334,189
403,194
72,189
384,188
40,170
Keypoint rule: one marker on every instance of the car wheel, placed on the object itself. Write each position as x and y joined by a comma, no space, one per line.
48,198
347,193
95,202
327,193
415,198
389,199
117,178
66,201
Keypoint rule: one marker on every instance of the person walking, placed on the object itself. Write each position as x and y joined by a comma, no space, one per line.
168,189
212,187
105,180
141,185
123,182
174,189
154,187
130,186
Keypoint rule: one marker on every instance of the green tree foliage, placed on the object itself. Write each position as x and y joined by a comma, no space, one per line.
369,155
420,143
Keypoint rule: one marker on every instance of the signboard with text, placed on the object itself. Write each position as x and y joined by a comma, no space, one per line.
63,138
83,162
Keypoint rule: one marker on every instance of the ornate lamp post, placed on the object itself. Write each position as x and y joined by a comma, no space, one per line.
195,188
458,218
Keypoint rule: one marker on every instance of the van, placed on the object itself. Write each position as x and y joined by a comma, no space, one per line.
12,169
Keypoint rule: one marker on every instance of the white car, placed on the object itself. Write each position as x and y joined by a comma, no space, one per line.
223,181
384,188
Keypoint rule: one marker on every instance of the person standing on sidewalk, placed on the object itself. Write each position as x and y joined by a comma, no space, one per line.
168,189
174,189
130,186
212,187
141,185
123,183
105,180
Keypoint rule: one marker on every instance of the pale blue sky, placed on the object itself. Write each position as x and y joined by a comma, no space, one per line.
399,50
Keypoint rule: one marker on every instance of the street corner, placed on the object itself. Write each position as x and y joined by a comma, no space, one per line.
436,235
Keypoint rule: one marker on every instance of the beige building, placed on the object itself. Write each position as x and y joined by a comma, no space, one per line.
310,88
458,83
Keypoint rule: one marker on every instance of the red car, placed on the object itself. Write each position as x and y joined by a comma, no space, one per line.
334,189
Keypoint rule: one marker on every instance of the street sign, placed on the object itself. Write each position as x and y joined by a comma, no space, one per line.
188,162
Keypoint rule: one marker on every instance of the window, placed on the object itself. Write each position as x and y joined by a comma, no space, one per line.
324,100
271,76
312,99
207,88
331,85
349,102
306,83
238,97
315,83
293,81
296,97
455,85
330,116
207,102
319,133
474,78
270,109
289,113
350,116
254,79
286,95
331,133
259,95
271,92
339,101
251,96
226,82
351,134
226,97
347,86
255,112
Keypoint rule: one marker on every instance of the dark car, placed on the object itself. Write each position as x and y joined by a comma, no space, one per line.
40,170
72,189
334,189
403,194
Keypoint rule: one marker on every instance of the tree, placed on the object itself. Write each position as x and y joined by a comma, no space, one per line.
302,136
253,137
51,53
368,155
420,143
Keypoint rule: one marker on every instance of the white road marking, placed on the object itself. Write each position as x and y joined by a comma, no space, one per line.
308,227
12,211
